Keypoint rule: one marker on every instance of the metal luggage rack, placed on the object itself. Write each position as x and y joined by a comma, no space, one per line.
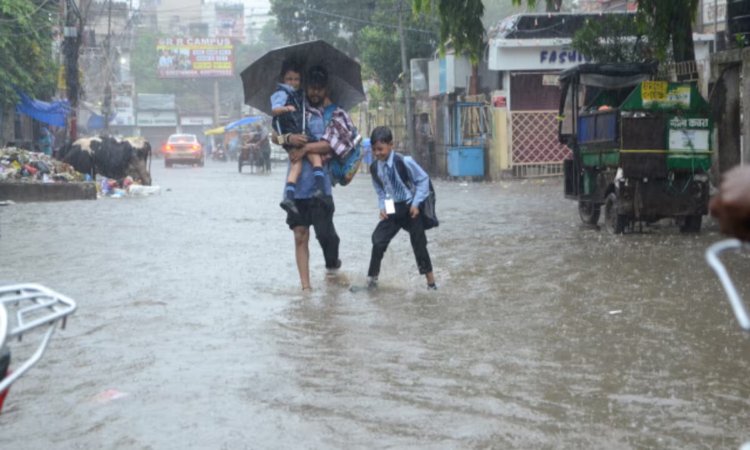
712,256
35,307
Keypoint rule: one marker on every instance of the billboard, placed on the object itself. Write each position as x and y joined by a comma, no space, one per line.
195,57
230,21
124,111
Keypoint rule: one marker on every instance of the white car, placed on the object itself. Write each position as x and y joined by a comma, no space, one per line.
183,149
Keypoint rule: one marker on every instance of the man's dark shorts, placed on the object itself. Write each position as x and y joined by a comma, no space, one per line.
310,211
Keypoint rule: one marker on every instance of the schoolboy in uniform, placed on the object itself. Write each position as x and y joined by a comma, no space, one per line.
399,205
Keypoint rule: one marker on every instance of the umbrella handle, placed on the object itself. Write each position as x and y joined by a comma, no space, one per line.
712,256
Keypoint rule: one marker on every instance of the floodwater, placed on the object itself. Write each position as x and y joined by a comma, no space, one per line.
190,304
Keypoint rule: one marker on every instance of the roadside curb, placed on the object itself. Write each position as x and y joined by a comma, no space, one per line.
46,192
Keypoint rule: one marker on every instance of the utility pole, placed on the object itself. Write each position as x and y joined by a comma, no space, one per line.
716,24
216,103
72,80
407,82
108,73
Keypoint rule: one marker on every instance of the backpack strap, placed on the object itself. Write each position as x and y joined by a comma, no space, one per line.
401,169
328,113
374,174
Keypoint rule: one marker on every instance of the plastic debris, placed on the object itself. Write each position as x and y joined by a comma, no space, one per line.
17,165
108,395
142,191
612,313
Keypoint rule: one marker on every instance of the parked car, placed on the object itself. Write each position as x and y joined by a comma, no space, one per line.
183,149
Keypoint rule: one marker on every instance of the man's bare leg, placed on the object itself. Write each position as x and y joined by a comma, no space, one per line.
302,253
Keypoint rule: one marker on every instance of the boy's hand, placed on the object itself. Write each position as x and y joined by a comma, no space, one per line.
298,140
414,211
383,215
291,108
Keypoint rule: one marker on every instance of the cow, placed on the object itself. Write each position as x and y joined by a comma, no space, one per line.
109,157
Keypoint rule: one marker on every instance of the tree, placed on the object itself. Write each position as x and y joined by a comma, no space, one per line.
336,21
380,46
667,22
460,23
613,39
26,50
670,21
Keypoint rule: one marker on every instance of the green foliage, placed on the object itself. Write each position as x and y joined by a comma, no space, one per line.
460,23
377,97
366,30
551,5
669,22
615,38
26,49
145,60
380,48
330,20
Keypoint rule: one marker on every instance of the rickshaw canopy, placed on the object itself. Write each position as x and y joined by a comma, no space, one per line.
241,122
212,131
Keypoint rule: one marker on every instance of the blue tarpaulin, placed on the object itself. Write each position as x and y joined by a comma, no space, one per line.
53,113
96,122
245,121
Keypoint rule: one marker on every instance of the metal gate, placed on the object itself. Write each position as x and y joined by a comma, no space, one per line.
535,150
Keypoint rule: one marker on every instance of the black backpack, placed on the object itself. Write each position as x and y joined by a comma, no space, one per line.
427,207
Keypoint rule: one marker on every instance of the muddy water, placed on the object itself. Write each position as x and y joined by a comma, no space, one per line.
189,303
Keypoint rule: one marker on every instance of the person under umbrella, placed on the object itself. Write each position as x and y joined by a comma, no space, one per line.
287,110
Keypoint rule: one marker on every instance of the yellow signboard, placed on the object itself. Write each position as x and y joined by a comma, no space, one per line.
654,91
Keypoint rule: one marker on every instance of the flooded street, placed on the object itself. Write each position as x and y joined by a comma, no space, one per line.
189,303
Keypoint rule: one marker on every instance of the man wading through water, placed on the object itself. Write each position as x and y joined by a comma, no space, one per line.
313,212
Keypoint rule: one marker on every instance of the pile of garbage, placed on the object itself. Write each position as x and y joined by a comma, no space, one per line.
18,165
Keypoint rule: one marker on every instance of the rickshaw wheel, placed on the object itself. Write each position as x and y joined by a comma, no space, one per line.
692,224
615,222
589,212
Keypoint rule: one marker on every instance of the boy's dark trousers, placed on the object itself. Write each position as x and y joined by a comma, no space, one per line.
387,229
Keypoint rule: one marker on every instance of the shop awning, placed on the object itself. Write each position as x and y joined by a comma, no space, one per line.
51,113
213,131
96,121
241,122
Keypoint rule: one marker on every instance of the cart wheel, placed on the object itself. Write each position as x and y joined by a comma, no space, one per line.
589,212
615,222
692,224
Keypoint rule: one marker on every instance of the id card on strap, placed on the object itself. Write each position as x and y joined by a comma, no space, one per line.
390,206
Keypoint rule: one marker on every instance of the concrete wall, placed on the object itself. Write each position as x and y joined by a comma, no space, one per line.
499,157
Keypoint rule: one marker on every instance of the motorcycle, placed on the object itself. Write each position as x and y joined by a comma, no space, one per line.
219,154
34,308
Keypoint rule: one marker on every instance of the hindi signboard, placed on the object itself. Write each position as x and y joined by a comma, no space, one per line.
195,57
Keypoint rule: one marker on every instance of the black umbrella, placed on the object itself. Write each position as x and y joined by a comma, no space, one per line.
260,79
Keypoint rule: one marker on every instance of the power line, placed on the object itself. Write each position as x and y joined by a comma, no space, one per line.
380,24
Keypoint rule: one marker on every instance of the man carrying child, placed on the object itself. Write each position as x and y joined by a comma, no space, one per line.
331,135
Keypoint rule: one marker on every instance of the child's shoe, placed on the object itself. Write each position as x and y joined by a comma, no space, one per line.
432,287
288,205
